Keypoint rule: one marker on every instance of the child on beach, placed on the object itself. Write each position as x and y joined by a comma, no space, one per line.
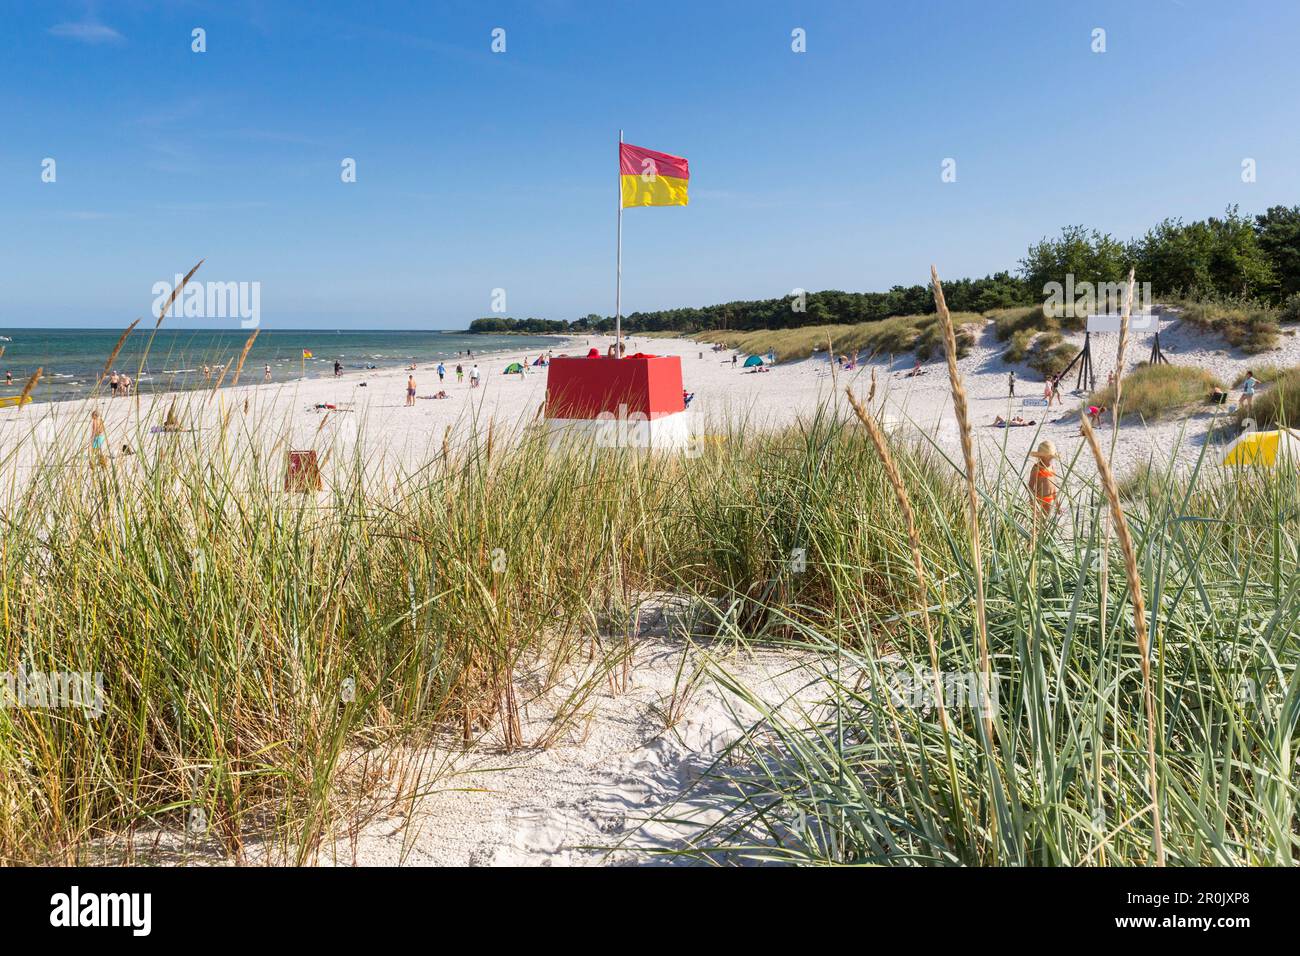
410,390
98,440
442,371
1056,393
1042,479
1248,391
460,373
1094,416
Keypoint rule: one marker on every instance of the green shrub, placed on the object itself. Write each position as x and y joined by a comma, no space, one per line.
1289,311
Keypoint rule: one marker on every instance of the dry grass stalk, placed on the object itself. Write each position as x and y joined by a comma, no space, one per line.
112,357
913,539
162,314
239,367
220,378
1123,346
1139,626
961,407
31,384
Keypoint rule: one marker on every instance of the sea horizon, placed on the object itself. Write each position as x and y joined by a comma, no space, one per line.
72,359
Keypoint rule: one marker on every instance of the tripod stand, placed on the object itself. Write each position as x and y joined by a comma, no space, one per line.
1087,379
1157,356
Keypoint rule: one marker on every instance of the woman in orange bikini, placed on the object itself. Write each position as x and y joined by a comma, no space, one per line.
1042,479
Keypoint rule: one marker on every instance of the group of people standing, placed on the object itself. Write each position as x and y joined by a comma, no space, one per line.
474,376
1051,389
119,385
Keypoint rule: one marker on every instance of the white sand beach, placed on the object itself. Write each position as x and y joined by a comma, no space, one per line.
372,403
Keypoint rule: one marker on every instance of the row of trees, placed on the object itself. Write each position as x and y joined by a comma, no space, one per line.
1233,256
500,324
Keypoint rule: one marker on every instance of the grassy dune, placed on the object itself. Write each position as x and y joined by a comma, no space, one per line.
1154,391
228,617
899,335
1250,326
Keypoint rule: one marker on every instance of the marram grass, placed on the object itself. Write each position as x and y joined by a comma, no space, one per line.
258,647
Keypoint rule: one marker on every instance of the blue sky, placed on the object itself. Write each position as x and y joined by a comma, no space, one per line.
478,171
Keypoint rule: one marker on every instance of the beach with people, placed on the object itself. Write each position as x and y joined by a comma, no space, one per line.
313,412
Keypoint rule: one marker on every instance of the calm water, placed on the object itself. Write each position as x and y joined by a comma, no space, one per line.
73,358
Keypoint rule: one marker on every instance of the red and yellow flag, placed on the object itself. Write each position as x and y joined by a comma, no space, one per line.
652,179
306,353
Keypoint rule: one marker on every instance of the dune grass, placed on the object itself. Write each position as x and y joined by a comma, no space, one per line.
1050,354
1153,392
263,652
1035,337
898,335
873,769
1243,323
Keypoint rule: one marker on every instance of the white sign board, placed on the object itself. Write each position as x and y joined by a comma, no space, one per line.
1142,322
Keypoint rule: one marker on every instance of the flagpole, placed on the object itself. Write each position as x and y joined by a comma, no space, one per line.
618,285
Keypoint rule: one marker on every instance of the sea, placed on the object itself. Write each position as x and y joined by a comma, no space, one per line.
73,359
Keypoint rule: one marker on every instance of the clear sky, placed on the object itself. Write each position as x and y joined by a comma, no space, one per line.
479,170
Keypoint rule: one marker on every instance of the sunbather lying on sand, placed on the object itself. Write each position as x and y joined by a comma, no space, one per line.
1016,422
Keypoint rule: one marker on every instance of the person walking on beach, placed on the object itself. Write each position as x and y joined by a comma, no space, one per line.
125,385
1047,391
1056,393
410,391
98,440
473,376
1042,479
266,373
114,384
338,368
1248,391
9,377
1011,385
460,373
442,371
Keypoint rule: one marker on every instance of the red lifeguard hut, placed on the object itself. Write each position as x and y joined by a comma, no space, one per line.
631,402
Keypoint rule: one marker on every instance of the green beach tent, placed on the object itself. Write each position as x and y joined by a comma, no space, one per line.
753,360
514,368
